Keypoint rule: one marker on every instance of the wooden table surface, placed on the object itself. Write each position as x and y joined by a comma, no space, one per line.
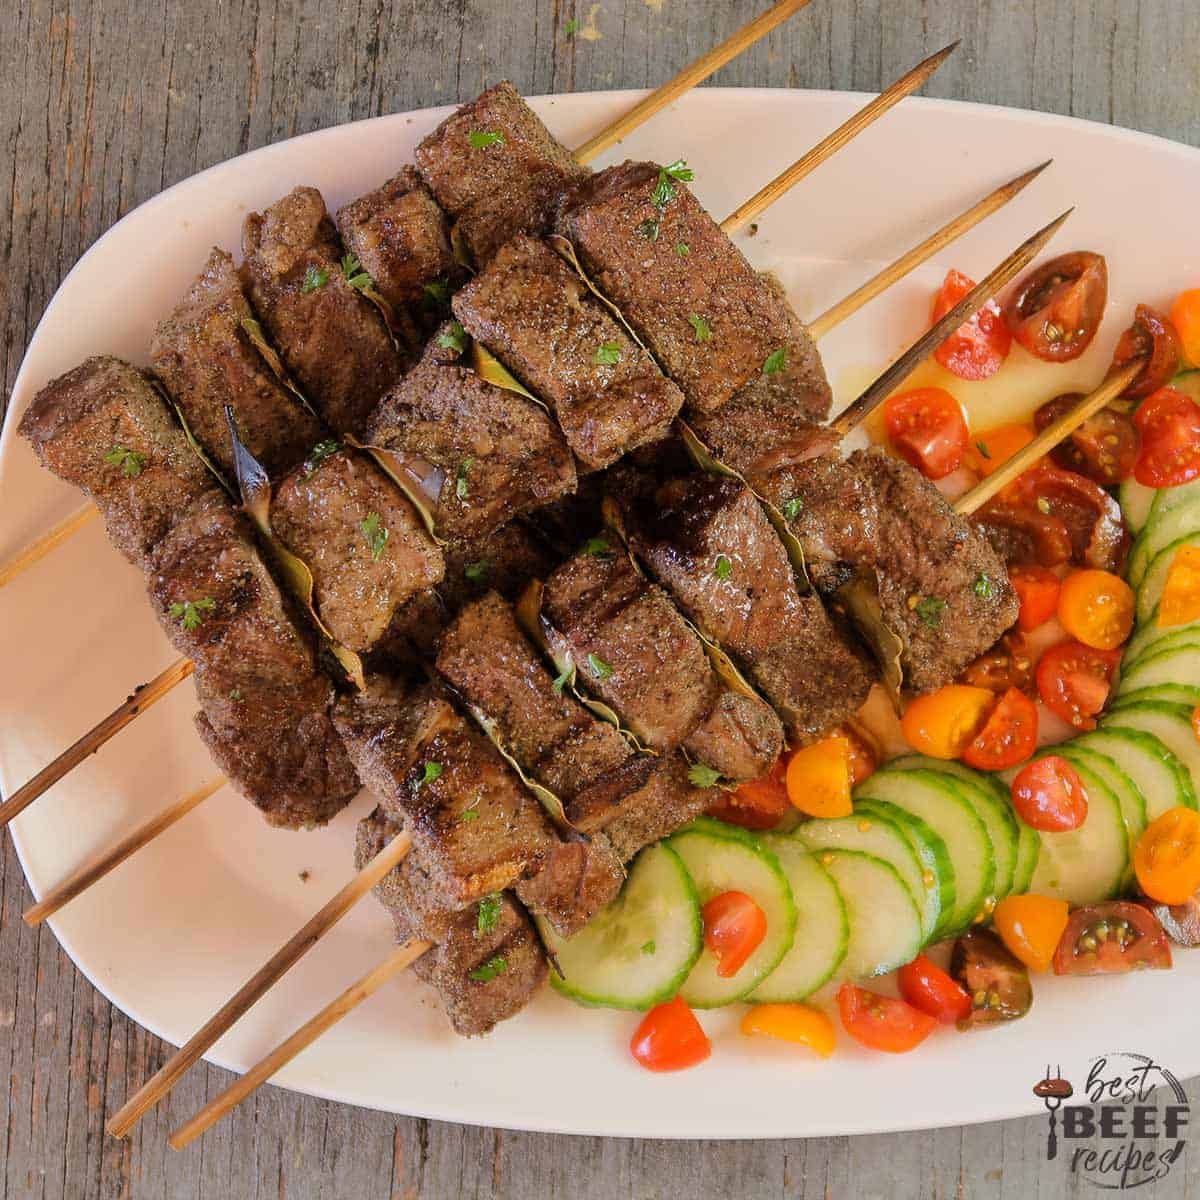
105,102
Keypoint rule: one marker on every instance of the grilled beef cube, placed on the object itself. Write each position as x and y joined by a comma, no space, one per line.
332,339
942,587
265,707
662,683
362,539
429,766
482,454
539,318
575,882
710,319
496,169
204,356
666,803
709,542
104,428
585,762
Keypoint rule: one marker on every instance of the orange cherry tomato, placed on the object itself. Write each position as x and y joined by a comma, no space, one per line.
1167,857
1169,423
1009,736
1049,795
1185,316
977,348
927,987
734,927
882,1022
818,778
1031,927
1073,681
864,756
758,804
927,429
1180,603
1153,338
1056,309
1096,608
799,1023
1037,588
994,447
670,1038
941,723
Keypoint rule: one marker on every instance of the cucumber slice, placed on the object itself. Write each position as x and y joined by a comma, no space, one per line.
1172,693
1090,863
876,835
1187,382
636,951
1152,637
1136,500
937,799
1150,590
822,926
1163,528
1170,723
937,871
1097,771
885,925
720,858
1160,778
1176,664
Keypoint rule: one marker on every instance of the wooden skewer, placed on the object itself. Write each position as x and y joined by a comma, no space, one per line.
154,1089
1045,441
400,959
688,78
107,860
91,741
844,133
929,341
833,316
24,559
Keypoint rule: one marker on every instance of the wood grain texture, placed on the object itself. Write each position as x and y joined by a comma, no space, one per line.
105,102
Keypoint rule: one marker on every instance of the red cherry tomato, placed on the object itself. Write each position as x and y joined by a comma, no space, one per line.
1056,309
1169,423
1111,938
927,987
928,430
1049,795
734,927
1104,447
1073,681
977,348
1037,588
1152,337
1008,738
881,1022
670,1038
758,804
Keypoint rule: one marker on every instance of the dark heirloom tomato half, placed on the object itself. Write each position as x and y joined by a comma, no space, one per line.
1074,680
1152,337
1169,423
1109,938
1099,536
1008,664
977,348
1104,447
996,981
1056,309
1025,535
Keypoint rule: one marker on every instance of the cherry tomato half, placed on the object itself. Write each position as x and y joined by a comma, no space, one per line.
1056,309
994,978
1008,664
1104,447
994,447
1025,535
1152,337
1037,588
818,778
1167,856
941,723
1185,316
734,927
670,1038
1008,738
758,804
1073,681
882,1022
797,1023
927,429
1099,535
1110,938
1031,927
1049,795
1096,607
977,348
927,987
1169,423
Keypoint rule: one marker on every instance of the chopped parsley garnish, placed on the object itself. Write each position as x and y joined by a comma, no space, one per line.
649,228
461,488
597,547
433,770
455,338
701,775
775,361
437,293
701,326
485,137
682,249
981,446
376,534
563,679
318,454
471,814
664,190
356,277
131,462
315,277
607,355
236,694
1043,505
723,568
600,668
190,614
793,508
571,26
477,572
649,947
984,587
929,609
489,913
496,965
